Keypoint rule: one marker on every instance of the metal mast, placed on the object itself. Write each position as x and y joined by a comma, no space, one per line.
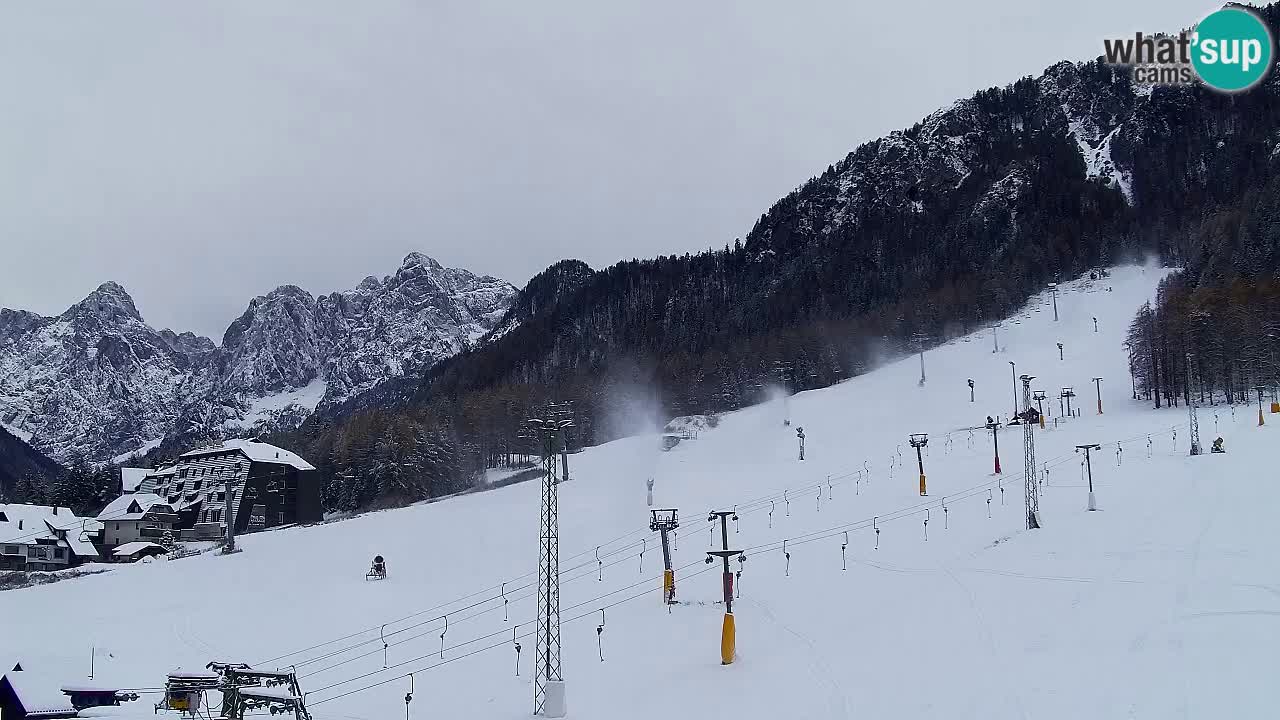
1029,455
919,440
548,687
1192,420
728,629
919,339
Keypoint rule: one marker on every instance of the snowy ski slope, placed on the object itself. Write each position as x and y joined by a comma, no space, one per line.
1165,603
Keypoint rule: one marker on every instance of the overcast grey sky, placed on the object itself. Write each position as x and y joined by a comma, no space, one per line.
201,153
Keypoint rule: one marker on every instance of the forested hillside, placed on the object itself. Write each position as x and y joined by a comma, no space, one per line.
1220,317
911,238
21,463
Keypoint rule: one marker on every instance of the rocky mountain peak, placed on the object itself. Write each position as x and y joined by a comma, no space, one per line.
416,261
187,343
110,301
98,382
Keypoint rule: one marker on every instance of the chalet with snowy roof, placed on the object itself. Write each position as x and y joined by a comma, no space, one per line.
267,487
135,551
41,538
138,517
25,695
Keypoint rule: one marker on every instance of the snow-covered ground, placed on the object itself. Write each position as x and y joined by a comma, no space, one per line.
139,452
1162,604
300,401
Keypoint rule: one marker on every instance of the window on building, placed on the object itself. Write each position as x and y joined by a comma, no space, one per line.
179,487
222,497
204,516
12,550
60,553
117,526
197,485
280,519
217,516
182,473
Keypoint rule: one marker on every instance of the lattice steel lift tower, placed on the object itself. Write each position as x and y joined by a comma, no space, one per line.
548,686
1029,455
1192,420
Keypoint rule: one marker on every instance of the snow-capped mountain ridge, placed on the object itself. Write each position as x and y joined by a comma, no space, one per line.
97,381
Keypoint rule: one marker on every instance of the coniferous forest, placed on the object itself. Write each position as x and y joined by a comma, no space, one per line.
1213,333
910,240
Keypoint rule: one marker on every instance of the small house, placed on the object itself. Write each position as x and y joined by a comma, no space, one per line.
135,551
140,517
42,538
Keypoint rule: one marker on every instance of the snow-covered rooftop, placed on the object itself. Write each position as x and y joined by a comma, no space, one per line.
128,549
39,695
131,506
26,524
130,478
257,452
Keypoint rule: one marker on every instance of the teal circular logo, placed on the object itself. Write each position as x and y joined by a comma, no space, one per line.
1231,50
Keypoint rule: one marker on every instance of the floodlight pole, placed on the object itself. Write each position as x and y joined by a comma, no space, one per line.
994,426
919,340
1133,379
1053,289
1098,384
1014,372
229,495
